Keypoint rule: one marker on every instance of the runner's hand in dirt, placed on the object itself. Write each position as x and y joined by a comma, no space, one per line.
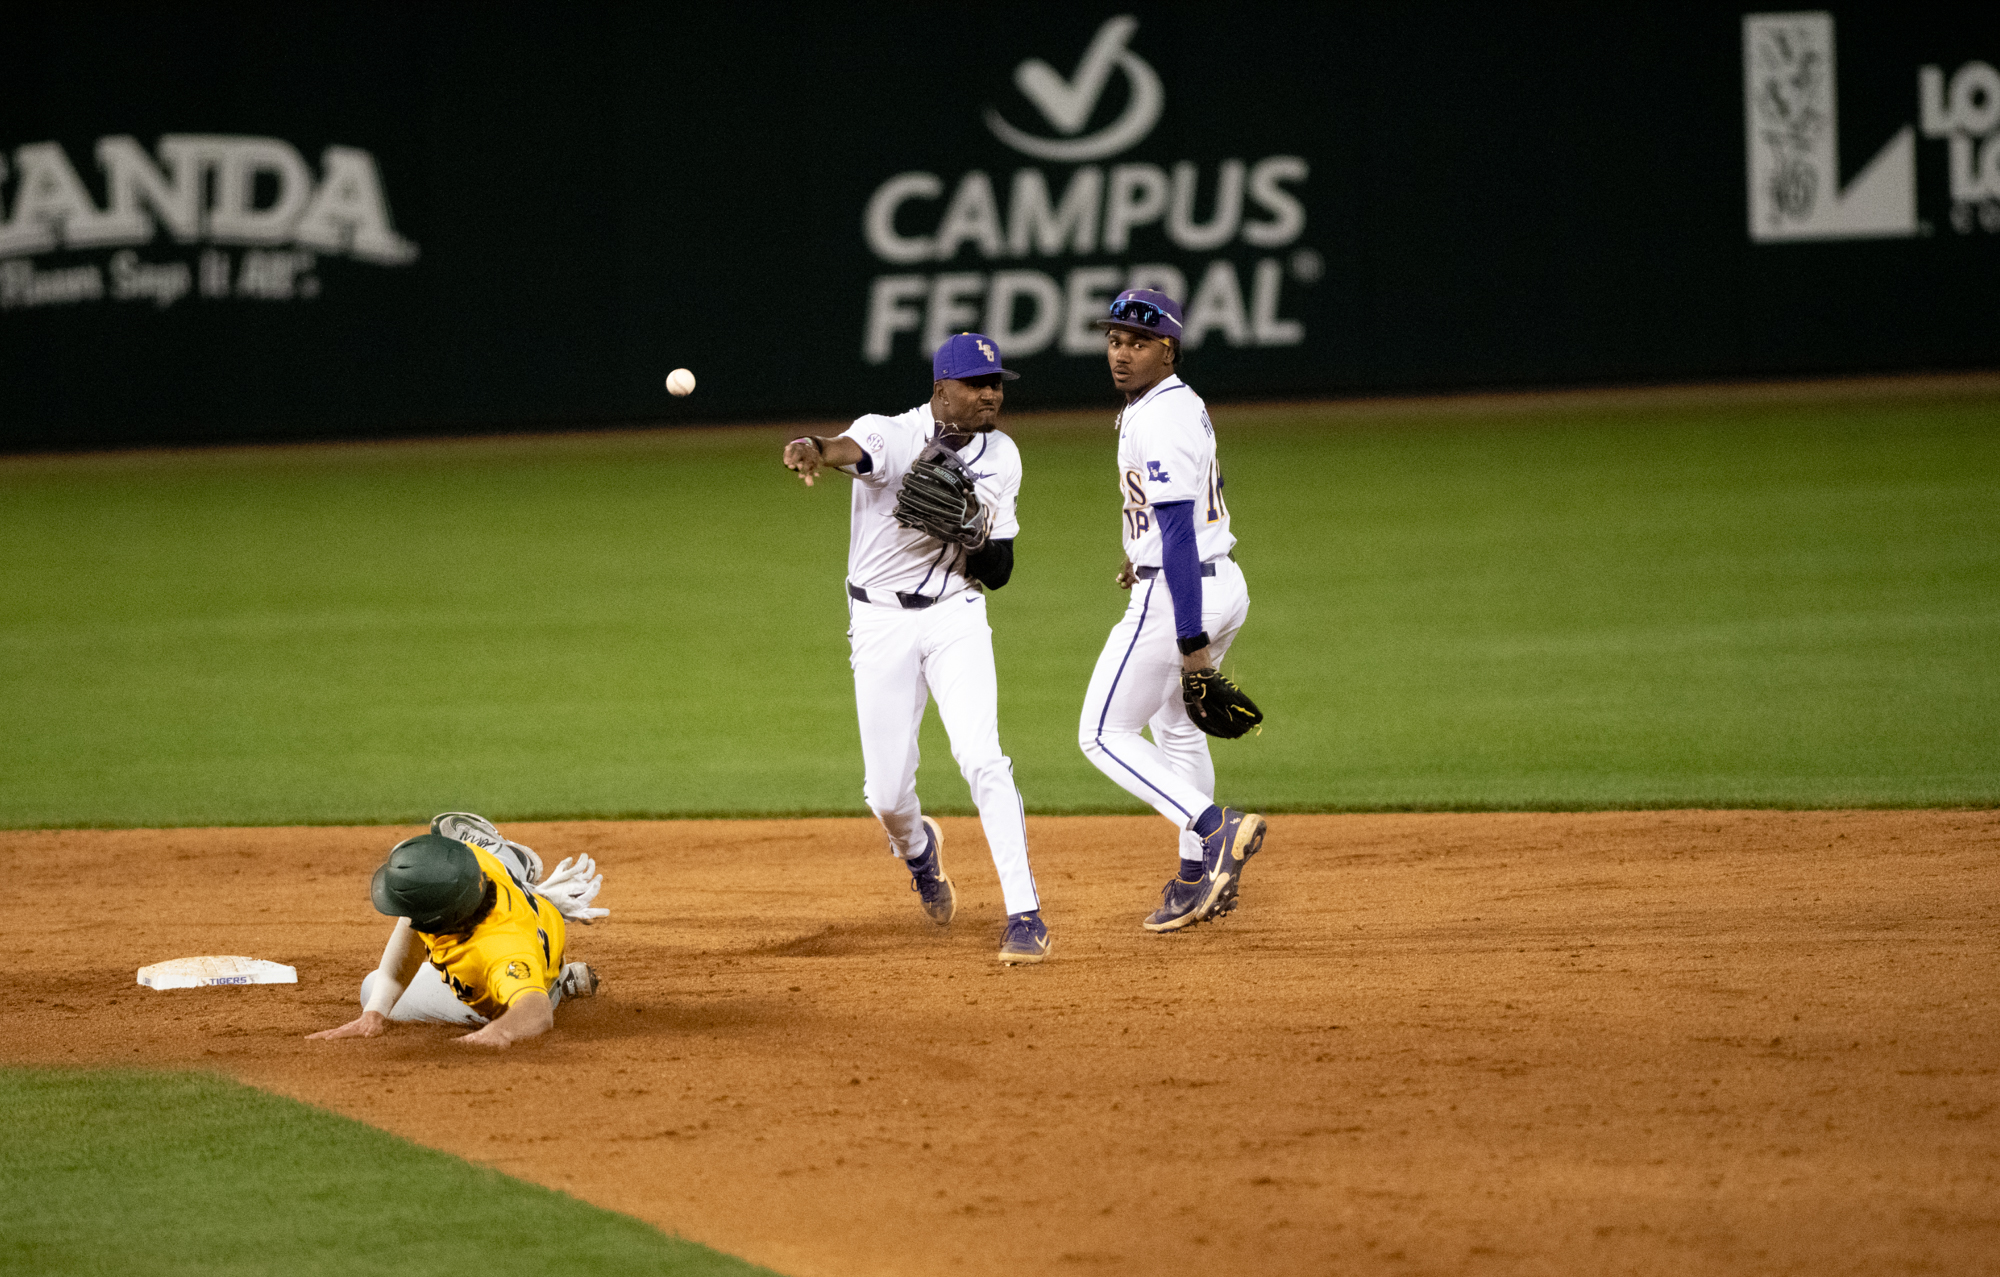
372,1024
527,1016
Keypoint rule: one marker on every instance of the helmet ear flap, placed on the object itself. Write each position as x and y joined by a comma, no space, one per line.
433,881
381,894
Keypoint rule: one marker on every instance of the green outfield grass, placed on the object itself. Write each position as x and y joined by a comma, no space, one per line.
1785,604
162,1174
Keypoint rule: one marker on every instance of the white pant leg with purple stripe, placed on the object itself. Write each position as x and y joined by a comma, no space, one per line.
944,653
1137,682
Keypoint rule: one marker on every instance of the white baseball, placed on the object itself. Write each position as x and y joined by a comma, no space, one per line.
680,382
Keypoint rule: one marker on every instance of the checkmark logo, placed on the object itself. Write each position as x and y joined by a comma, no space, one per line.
1067,103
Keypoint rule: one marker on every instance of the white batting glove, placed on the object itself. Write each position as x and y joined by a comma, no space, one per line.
571,886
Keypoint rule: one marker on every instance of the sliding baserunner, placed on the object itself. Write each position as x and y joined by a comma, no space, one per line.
480,937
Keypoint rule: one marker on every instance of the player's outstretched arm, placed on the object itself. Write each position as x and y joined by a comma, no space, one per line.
528,1015
809,454
372,1024
400,959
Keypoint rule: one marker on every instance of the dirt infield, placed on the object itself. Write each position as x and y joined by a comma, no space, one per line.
1722,1042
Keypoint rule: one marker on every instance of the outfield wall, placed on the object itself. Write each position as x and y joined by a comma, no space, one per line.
349,219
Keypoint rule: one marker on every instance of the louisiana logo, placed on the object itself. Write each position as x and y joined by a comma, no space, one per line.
1791,111
1792,142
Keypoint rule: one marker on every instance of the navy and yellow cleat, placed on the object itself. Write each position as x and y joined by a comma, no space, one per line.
1223,855
1026,940
1180,904
928,880
1251,843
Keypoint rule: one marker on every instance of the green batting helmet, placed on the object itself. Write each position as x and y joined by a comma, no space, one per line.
433,881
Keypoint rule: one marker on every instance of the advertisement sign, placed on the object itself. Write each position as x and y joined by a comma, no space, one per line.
194,191
1032,264
368,220
1791,109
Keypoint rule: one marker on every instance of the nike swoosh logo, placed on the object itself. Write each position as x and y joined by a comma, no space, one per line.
1067,104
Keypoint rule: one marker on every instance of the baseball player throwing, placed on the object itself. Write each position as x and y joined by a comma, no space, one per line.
1188,600
932,526
479,937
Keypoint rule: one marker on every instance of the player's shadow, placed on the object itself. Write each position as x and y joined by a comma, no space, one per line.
670,1017
840,940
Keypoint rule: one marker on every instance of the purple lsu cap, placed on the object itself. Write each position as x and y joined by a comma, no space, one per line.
1144,310
966,356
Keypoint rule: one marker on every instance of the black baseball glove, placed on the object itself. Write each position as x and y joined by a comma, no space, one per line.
1217,705
937,499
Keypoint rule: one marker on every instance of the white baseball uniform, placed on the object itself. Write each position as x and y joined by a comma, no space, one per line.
917,628
1166,454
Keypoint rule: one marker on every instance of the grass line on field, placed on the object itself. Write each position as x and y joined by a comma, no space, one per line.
1744,600
190,1175
1530,805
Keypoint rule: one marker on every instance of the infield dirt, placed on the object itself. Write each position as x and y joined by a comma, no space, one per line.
1722,1042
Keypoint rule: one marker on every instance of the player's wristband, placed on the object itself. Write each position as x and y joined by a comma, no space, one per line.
384,1001
1193,643
819,444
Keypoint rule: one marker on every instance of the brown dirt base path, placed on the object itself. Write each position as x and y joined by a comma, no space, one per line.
1668,1042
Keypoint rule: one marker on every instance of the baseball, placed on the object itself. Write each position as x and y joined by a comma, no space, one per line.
680,382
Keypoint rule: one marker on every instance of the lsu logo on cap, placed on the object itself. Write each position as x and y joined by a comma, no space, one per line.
968,355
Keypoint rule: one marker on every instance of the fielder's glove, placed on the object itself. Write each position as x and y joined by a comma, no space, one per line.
570,887
1218,706
937,499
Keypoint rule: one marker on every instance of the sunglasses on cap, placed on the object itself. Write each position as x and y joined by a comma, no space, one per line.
1130,310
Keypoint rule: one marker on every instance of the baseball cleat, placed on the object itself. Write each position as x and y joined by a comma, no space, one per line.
1027,939
578,980
1180,904
1225,901
477,831
927,877
1223,855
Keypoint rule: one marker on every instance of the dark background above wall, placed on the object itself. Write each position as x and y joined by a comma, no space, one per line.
549,211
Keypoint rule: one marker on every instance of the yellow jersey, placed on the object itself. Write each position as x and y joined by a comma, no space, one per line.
515,948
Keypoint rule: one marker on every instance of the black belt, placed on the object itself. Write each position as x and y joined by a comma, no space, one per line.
907,600
1147,574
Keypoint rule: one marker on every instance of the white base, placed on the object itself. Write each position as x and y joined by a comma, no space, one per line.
195,973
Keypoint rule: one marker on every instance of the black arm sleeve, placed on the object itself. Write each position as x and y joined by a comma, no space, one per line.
991,564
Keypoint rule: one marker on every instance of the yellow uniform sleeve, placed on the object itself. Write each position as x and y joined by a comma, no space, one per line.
517,947
510,978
